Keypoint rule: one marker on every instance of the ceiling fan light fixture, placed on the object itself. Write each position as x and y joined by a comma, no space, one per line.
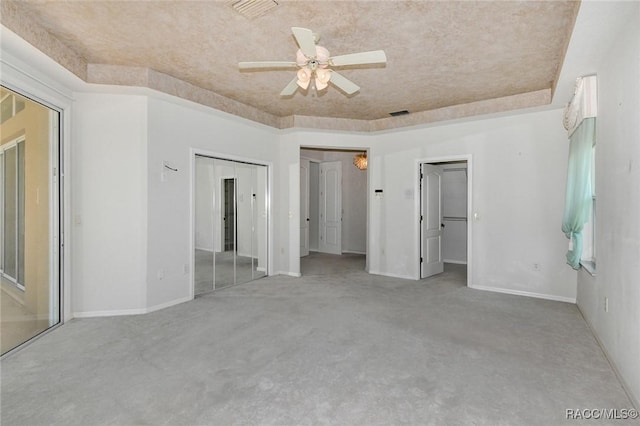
322,78
304,78
314,64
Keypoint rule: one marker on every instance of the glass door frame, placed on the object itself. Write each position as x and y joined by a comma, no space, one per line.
42,93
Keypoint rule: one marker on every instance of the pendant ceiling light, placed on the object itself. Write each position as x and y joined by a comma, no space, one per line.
360,161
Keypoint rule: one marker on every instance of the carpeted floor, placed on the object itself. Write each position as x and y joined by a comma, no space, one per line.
343,349
245,270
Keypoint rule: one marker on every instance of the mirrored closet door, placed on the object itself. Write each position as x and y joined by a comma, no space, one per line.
231,223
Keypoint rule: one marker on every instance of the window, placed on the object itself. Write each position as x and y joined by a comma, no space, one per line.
12,204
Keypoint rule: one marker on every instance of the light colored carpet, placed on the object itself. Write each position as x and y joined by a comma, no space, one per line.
204,283
349,349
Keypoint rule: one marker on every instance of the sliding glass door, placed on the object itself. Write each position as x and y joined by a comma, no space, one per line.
29,263
231,223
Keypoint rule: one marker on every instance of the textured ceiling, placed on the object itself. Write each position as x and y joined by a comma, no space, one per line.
439,54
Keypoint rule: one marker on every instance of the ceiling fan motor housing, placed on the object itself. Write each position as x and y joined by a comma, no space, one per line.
321,60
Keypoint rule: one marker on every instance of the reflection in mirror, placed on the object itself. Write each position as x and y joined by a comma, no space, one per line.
259,256
225,221
244,226
203,266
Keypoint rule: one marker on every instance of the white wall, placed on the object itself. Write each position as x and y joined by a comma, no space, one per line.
618,208
132,237
174,129
109,204
519,207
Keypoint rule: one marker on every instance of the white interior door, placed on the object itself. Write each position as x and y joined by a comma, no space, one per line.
430,220
304,207
330,207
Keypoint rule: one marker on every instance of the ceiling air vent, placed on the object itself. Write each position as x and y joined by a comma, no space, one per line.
253,8
397,113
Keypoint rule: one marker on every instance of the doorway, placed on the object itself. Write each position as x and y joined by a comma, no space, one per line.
333,207
444,211
231,217
30,219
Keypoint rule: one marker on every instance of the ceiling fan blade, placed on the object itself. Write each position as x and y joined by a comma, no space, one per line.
343,83
291,88
305,40
266,64
373,57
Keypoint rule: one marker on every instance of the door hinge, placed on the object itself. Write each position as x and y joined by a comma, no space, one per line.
421,218
420,260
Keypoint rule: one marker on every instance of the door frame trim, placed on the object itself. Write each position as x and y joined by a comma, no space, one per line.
470,218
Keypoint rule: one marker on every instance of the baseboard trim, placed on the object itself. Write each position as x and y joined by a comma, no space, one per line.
388,274
168,304
290,274
209,249
113,313
525,293
354,252
458,262
634,400
135,311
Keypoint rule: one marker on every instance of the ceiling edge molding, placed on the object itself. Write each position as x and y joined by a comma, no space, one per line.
182,89
489,106
330,123
40,38
117,75
120,75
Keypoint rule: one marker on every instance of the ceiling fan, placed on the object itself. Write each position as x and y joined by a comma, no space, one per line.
316,65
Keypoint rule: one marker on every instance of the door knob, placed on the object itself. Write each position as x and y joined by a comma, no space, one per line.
307,219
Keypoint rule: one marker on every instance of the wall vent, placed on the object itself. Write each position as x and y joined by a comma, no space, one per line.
253,8
397,113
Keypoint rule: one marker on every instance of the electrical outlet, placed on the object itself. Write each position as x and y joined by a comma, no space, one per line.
606,304
537,267
160,274
185,269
